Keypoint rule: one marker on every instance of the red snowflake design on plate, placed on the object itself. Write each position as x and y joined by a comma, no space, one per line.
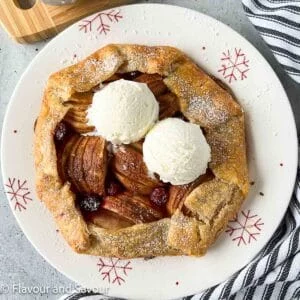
235,65
101,21
244,227
18,192
113,269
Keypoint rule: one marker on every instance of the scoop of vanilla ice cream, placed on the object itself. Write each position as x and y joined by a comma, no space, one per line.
177,151
123,111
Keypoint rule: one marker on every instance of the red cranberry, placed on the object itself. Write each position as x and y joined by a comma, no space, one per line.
159,196
89,203
61,131
113,188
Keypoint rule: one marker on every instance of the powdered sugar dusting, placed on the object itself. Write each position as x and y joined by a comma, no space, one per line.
104,65
92,68
147,233
206,107
200,107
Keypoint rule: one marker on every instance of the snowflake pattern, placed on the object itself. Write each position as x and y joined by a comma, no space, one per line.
18,192
113,269
101,20
235,65
244,228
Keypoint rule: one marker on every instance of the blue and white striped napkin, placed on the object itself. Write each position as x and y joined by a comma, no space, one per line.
278,22
275,272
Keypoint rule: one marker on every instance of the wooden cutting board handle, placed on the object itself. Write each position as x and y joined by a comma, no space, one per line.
43,21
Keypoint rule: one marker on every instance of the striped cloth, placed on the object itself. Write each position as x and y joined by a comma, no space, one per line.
275,272
278,22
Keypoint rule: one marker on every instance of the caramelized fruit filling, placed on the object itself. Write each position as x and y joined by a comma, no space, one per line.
130,169
114,189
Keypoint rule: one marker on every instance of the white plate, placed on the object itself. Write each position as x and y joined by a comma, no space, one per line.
271,136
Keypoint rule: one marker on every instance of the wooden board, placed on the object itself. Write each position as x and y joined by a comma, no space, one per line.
43,21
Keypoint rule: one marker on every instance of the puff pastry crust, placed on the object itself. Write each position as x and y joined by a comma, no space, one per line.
202,101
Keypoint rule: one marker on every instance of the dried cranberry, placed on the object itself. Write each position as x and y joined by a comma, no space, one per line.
61,132
159,196
89,203
113,188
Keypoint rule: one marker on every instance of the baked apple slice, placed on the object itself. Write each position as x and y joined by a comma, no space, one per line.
178,193
129,168
154,82
168,105
135,208
63,155
77,115
84,161
108,219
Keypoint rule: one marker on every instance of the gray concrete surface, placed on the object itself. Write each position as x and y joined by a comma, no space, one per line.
20,264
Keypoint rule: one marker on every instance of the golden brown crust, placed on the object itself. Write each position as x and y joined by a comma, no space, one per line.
202,101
